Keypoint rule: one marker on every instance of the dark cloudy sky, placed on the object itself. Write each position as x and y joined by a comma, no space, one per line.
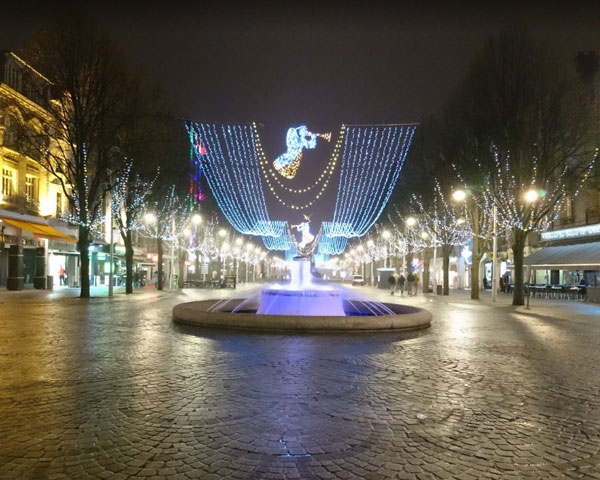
313,62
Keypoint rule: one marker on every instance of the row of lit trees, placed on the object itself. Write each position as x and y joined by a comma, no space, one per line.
451,220
108,129
517,137
187,236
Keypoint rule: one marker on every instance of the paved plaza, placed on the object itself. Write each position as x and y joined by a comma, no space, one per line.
112,388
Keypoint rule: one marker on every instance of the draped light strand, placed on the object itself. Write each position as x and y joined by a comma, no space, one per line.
329,244
231,164
372,158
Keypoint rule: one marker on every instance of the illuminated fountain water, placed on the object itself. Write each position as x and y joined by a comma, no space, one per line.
301,296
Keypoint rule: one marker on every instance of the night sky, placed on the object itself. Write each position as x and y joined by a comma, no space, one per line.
313,63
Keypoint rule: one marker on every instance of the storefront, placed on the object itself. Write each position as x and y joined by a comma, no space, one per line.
63,256
566,264
570,265
24,248
99,255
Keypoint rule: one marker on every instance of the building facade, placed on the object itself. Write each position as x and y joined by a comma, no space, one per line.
31,200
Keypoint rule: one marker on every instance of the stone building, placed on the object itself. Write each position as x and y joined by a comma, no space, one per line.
31,200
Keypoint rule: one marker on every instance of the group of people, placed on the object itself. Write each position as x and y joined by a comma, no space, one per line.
398,282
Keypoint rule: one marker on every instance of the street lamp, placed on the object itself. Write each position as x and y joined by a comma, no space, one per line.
196,219
370,245
150,218
532,196
411,221
459,195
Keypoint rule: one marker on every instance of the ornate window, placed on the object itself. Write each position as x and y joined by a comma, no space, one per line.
9,180
31,190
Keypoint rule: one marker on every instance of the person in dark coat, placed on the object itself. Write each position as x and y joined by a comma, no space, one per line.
392,282
410,281
401,281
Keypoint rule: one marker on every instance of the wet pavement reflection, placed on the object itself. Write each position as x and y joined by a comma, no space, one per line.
112,388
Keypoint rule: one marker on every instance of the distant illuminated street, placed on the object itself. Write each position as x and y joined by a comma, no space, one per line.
114,389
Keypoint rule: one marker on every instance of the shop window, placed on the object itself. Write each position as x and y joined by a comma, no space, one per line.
9,178
31,190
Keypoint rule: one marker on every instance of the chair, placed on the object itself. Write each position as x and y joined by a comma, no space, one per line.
556,291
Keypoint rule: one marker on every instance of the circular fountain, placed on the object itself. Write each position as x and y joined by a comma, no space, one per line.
303,304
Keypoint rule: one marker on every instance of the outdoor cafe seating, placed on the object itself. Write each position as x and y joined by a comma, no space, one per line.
566,292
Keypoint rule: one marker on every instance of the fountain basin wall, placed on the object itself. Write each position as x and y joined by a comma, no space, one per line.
196,313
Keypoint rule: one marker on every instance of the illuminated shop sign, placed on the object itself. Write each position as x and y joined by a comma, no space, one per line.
587,231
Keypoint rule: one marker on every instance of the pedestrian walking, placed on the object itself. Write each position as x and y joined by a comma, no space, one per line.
392,282
416,283
410,282
61,275
401,282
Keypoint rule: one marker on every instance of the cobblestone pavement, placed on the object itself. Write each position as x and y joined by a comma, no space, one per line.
114,389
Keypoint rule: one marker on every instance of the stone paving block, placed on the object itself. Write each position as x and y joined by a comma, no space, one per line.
125,393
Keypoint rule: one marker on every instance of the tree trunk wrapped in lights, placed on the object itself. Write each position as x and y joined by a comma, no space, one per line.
444,224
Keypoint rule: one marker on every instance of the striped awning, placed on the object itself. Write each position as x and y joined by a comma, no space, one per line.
39,230
584,256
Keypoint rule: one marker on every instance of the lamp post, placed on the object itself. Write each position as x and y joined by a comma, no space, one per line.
111,251
410,222
370,244
495,255
150,219
386,236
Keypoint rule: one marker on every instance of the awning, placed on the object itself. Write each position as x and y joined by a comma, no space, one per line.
584,256
39,230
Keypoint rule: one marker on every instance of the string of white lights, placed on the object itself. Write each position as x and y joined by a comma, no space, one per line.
231,166
273,178
372,158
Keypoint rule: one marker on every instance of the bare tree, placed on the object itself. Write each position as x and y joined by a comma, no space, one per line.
166,222
528,130
90,84
129,201
444,224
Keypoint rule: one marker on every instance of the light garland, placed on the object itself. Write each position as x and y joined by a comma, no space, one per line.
372,158
441,220
231,165
283,242
130,198
271,176
329,244
507,190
